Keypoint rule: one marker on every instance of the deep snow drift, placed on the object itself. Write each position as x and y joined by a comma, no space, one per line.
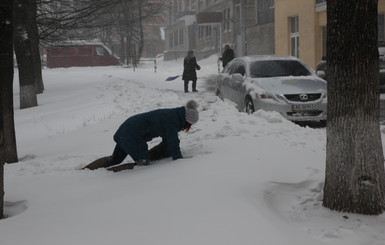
245,179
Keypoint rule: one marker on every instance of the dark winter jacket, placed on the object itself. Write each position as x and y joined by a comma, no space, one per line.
227,56
133,135
190,65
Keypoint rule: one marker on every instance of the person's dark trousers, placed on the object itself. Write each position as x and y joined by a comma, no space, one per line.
117,157
194,85
159,152
186,86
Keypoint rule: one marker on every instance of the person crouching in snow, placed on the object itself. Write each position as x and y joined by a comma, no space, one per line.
132,136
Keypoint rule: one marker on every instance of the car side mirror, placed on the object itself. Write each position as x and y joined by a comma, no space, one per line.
321,74
237,77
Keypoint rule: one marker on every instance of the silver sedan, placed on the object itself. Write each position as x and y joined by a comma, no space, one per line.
274,83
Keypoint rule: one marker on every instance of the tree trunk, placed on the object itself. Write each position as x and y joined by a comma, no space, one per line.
22,45
6,71
9,123
10,148
354,178
141,33
33,34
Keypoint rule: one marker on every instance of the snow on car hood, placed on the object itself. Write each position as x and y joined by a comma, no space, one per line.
290,85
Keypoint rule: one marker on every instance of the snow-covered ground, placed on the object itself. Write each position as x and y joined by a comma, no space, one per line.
245,179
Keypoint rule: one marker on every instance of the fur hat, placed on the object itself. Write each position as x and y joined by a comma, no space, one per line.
192,115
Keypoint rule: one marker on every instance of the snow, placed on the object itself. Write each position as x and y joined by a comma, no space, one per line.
245,179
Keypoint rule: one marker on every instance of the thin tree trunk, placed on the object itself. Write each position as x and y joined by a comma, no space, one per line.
141,33
355,178
33,34
22,45
6,71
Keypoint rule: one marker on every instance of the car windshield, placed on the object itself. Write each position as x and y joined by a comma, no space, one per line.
277,68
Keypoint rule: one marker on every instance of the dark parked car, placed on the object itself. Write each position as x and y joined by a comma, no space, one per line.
321,69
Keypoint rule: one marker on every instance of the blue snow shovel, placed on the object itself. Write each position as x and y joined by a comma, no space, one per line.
172,78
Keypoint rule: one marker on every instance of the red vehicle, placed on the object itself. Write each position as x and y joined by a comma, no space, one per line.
84,54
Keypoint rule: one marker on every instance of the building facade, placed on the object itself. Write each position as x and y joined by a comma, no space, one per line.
252,27
300,28
207,25
181,28
260,27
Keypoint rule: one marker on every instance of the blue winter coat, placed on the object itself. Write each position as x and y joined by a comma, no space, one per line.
133,135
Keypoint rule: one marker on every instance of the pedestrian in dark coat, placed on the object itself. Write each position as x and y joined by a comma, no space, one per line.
132,136
189,71
227,56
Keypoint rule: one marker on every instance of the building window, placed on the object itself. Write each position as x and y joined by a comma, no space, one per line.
294,36
179,6
171,40
176,44
200,5
200,33
208,31
226,19
193,5
324,38
320,5
181,36
187,4
265,11
381,29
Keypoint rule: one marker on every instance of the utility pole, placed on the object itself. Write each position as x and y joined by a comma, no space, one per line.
242,25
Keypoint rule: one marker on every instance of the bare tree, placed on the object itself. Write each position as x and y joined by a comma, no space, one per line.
24,54
355,177
6,71
60,21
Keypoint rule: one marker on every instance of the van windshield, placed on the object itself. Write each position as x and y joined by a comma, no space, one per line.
102,51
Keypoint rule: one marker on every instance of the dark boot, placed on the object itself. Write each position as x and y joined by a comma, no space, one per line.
99,163
194,86
158,152
122,167
186,86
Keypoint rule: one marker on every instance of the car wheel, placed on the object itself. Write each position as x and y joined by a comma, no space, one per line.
249,106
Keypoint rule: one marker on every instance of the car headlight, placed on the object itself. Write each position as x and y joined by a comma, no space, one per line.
264,96
280,97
